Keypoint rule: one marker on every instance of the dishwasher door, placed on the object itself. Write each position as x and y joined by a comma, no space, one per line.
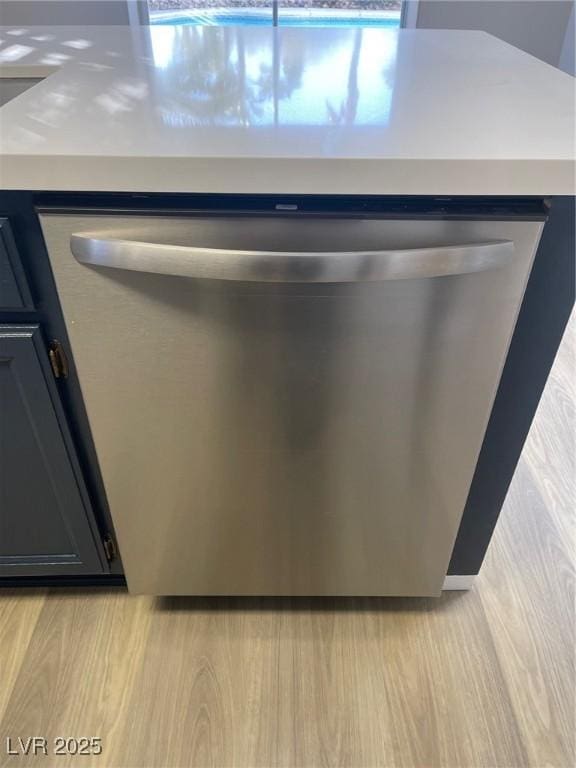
287,406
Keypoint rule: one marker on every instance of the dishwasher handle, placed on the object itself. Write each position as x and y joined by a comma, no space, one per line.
289,267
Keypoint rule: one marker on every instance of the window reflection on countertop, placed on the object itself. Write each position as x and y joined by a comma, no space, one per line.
261,77
179,77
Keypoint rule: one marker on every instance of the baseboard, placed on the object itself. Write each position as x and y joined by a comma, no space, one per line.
450,582
98,580
458,582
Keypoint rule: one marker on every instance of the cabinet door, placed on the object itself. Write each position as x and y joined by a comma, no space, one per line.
14,293
46,525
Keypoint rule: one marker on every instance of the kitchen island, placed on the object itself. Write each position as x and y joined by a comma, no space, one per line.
295,125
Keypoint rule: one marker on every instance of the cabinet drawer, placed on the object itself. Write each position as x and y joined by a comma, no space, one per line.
14,291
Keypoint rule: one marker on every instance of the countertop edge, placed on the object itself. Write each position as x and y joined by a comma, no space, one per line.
318,176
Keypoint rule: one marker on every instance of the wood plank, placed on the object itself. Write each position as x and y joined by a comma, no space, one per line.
550,450
19,611
527,590
212,690
78,669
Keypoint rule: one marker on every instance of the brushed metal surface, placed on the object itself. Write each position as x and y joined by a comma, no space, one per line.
286,266
304,439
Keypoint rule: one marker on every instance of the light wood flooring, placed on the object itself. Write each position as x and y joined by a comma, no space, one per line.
484,678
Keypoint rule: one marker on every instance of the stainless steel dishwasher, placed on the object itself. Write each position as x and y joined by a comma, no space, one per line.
284,405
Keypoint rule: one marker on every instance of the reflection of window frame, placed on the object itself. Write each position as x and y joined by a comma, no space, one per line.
409,14
138,12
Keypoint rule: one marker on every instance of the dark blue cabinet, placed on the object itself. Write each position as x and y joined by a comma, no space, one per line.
46,526
14,292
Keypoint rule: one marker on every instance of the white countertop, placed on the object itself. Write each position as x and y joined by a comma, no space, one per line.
37,52
289,110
